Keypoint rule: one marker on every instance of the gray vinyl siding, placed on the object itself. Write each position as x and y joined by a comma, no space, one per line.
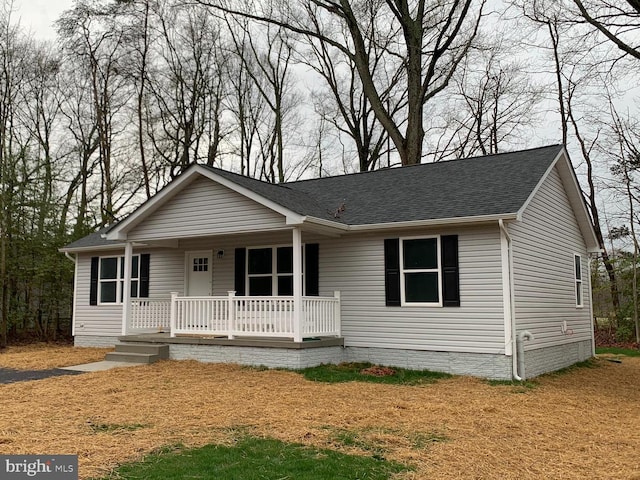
206,208
166,274
224,267
93,319
354,265
544,245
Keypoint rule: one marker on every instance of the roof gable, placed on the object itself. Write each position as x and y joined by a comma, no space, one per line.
120,230
469,190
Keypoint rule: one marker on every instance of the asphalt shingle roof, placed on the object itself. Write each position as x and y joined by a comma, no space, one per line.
93,240
490,185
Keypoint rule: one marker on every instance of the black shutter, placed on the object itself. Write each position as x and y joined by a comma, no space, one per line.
93,286
392,272
240,269
144,275
312,269
450,271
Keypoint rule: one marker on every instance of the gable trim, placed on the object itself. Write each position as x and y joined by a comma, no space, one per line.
543,179
119,231
574,194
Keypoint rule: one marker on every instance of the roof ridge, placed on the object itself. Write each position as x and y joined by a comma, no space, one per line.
245,177
441,162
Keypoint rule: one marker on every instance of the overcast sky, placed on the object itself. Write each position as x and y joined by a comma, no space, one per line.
38,16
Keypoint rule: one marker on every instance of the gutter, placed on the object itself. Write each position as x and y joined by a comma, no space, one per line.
68,255
512,316
435,222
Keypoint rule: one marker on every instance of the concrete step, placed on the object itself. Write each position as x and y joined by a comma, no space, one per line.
130,357
154,349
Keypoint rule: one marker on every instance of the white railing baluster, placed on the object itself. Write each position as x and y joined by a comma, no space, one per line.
231,315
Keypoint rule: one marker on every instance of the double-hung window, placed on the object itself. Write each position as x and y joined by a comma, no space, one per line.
111,279
420,271
270,271
577,268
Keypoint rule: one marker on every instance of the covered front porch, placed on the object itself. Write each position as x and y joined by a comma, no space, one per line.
236,316
263,284
213,254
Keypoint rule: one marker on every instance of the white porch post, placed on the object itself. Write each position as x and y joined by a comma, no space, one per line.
173,313
231,308
126,294
297,285
338,320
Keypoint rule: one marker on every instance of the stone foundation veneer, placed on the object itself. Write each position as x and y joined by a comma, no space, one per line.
493,366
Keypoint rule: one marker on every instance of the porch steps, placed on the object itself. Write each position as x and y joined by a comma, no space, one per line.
138,353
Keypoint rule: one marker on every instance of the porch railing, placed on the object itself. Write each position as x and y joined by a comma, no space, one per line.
232,316
150,315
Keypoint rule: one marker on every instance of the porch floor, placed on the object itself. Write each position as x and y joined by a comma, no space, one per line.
165,338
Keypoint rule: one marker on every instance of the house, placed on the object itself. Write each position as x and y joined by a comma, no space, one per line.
477,266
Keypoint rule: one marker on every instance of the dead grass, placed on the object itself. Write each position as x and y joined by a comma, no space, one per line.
582,424
43,356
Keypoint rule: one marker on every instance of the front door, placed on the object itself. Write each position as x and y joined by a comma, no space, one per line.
199,273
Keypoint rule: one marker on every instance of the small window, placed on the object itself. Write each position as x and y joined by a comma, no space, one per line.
577,264
201,264
420,271
111,279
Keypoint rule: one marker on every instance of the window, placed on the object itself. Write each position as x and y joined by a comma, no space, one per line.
270,271
420,271
201,264
577,268
111,279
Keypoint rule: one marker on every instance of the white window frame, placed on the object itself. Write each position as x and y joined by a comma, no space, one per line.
403,300
119,280
274,269
578,281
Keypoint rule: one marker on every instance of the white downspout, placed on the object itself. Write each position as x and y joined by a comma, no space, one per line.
593,333
511,313
75,291
526,335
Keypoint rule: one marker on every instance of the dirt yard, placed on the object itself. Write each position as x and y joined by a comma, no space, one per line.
581,424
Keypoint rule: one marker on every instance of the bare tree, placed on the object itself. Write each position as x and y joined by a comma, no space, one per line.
617,20
136,17
570,75
266,57
432,38
625,151
94,40
81,126
245,103
493,104
182,83
12,64
343,104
